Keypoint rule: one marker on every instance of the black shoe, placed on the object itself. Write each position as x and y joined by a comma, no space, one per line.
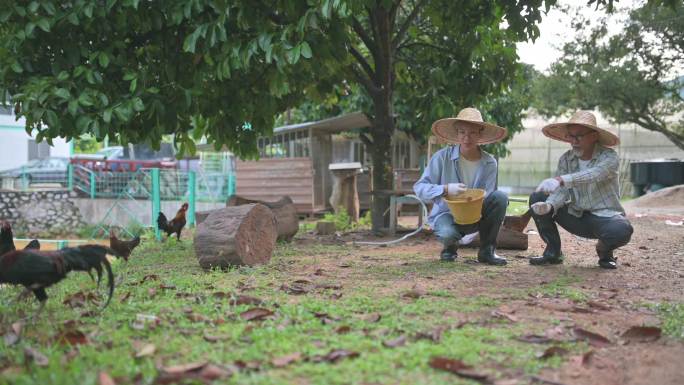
447,256
608,263
547,260
606,258
488,256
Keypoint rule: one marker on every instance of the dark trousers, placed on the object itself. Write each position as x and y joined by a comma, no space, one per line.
493,213
612,232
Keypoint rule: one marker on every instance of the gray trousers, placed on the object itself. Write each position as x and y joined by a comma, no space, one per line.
493,214
613,232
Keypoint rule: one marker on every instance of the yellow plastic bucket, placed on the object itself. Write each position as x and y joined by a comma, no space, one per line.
466,207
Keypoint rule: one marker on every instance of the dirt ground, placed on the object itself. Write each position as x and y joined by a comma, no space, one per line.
651,271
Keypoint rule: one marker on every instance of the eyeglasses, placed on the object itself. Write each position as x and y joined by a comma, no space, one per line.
577,138
471,133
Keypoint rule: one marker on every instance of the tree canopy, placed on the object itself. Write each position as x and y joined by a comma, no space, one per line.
636,76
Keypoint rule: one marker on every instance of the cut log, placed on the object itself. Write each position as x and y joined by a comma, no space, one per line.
233,236
507,239
287,221
325,228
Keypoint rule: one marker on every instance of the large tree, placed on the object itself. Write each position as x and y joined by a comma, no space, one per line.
636,76
223,69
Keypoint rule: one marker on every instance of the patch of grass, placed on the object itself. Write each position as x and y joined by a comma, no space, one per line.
183,299
672,315
561,287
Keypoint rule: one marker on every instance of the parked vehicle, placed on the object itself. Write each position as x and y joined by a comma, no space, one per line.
107,153
47,170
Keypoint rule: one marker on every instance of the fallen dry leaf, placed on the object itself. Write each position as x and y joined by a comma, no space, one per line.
339,354
105,379
184,368
343,329
35,356
592,338
598,305
152,292
249,365
196,317
552,351
435,334
125,296
414,293
146,350
372,317
285,360
14,334
199,372
642,334
395,342
72,337
503,315
213,337
149,277
534,339
245,300
256,314
167,286
457,367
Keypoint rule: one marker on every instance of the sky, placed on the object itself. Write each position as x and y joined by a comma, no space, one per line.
555,30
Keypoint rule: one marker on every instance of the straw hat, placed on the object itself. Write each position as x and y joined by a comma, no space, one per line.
587,119
446,129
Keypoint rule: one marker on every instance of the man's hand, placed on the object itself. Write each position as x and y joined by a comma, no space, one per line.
542,208
456,188
549,185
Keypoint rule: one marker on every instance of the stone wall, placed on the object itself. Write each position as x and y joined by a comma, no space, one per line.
51,211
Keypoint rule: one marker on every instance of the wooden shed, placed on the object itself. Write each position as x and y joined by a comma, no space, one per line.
295,160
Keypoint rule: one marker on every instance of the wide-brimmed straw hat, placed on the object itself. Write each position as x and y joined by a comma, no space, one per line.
559,131
447,129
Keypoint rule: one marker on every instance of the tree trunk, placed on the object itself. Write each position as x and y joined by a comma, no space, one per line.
287,220
233,236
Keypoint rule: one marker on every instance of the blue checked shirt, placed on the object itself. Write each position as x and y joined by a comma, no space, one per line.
444,169
594,189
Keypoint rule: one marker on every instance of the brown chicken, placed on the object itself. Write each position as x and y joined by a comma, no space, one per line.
121,247
174,226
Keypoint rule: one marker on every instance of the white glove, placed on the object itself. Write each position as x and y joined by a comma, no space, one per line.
548,185
456,188
541,208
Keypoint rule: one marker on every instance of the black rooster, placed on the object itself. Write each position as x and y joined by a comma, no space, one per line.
175,225
7,240
37,270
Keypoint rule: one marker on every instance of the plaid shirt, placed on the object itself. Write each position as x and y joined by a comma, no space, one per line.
594,189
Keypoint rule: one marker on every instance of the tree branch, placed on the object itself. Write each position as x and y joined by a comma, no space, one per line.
362,61
366,139
365,82
372,48
407,23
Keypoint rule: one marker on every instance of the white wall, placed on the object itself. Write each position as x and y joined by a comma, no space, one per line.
14,143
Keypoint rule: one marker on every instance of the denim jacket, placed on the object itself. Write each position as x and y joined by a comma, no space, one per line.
443,169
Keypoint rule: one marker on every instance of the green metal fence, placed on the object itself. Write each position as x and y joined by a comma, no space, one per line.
173,184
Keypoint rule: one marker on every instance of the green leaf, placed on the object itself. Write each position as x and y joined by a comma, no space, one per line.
103,59
130,76
73,107
33,6
138,105
134,85
88,11
44,24
107,115
29,28
16,67
82,123
63,93
49,7
63,76
306,50
191,41
73,18
85,100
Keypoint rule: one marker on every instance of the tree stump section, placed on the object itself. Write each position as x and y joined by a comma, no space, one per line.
345,196
325,228
506,239
287,220
233,236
